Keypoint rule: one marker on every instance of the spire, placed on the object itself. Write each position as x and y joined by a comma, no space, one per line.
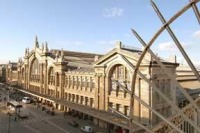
46,47
42,47
19,60
25,51
62,53
36,42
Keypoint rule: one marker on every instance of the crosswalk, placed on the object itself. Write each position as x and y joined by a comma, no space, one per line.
32,120
29,122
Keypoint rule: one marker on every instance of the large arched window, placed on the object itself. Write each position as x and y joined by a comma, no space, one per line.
120,75
35,71
51,76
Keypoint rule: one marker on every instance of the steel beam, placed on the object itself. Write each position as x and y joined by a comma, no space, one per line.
178,14
168,100
161,64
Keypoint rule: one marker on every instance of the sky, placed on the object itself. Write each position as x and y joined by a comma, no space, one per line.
93,26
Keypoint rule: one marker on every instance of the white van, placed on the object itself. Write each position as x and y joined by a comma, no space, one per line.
87,129
26,100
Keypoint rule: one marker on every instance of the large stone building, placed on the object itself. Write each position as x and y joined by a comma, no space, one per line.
91,83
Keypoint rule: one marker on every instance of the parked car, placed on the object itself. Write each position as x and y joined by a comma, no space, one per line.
23,113
73,123
18,99
26,100
87,129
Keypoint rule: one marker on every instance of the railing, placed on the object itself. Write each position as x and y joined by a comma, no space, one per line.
127,47
176,119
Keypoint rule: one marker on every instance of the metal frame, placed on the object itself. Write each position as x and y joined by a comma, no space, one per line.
147,48
166,26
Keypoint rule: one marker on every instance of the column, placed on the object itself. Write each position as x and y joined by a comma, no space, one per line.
28,76
45,78
96,100
61,85
81,83
56,95
25,81
41,78
88,102
102,92
80,99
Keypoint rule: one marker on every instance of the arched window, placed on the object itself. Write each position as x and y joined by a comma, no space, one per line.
35,71
120,75
51,76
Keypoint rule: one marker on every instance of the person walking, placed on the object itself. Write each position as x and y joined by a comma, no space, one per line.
65,113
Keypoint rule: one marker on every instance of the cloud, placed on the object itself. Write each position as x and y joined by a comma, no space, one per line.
113,12
197,34
171,46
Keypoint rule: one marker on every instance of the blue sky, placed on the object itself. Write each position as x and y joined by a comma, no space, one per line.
92,25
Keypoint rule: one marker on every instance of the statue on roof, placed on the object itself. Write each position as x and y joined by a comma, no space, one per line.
57,53
46,47
25,51
57,56
62,52
62,55
20,60
42,47
36,42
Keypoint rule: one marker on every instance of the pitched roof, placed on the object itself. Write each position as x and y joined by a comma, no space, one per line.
77,60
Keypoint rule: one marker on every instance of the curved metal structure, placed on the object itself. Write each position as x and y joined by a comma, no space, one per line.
166,26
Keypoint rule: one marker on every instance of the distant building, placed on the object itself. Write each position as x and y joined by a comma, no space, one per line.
189,82
11,73
2,72
89,84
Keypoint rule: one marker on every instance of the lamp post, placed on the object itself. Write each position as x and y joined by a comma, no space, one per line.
8,94
9,114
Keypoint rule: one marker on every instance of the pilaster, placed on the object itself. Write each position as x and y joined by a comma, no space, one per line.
41,78
46,78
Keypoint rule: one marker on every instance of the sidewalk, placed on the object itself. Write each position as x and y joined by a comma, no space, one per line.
83,122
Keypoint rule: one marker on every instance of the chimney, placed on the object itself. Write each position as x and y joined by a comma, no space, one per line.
118,45
96,57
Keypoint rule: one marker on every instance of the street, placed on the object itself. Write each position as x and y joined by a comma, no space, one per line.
40,121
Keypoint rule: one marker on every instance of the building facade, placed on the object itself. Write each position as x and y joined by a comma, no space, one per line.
94,81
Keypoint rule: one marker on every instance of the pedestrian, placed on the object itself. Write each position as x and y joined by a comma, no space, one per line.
65,113
37,106
15,118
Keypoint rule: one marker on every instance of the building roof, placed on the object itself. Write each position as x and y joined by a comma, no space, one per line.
77,61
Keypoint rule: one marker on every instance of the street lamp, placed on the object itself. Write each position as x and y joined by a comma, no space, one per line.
8,94
9,114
